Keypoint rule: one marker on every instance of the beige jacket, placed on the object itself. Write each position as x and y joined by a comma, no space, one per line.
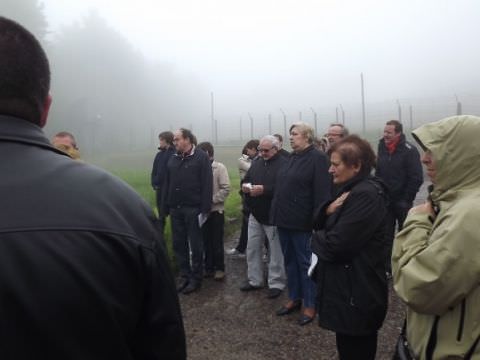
221,186
244,163
436,262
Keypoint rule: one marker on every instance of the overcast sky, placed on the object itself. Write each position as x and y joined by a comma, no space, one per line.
302,52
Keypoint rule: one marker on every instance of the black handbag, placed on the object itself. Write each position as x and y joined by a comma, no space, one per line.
402,349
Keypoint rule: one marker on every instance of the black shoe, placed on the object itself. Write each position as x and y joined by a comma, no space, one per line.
191,287
304,320
181,284
288,310
249,287
273,293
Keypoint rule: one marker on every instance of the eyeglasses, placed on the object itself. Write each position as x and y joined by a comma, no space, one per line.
264,150
333,134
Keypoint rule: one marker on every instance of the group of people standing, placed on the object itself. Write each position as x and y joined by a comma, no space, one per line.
192,188
328,227
326,222
83,266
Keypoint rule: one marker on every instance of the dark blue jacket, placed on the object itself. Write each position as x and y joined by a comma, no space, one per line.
159,169
189,182
263,172
401,171
302,186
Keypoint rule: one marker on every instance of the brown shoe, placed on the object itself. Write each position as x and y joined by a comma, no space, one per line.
219,275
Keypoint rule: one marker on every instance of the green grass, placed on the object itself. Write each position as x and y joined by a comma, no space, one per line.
140,181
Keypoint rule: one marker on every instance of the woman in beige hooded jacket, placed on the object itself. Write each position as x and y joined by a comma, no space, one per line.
436,257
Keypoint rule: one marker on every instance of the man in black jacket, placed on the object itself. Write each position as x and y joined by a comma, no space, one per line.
159,170
188,200
399,166
83,272
258,186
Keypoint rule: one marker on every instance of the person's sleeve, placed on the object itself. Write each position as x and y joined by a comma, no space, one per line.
360,217
160,332
268,190
435,268
153,176
162,168
207,186
322,183
165,189
248,176
414,174
223,185
378,169
243,164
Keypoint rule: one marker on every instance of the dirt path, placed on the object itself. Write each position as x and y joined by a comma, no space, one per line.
222,322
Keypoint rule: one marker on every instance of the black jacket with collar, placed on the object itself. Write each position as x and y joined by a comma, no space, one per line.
263,172
189,181
83,271
401,171
352,291
159,168
302,186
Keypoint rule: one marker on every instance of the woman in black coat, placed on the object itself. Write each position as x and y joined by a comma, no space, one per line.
352,292
303,185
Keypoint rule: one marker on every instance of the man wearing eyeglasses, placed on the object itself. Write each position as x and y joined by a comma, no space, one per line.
258,187
336,132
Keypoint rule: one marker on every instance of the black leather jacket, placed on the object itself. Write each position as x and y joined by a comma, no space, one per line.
83,272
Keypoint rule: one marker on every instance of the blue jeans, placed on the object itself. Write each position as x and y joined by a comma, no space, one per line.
297,254
187,237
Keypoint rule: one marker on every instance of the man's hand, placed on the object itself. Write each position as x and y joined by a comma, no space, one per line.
256,190
246,188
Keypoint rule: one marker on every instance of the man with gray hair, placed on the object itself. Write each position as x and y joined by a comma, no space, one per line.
336,132
258,187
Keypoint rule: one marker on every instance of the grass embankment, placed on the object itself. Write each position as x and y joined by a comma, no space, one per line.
140,181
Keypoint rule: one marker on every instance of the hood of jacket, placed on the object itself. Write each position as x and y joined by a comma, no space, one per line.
455,146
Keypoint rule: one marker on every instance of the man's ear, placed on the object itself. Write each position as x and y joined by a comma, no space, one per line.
46,109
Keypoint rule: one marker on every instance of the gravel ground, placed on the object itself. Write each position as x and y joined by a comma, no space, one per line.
222,322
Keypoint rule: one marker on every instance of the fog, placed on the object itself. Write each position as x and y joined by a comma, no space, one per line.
134,68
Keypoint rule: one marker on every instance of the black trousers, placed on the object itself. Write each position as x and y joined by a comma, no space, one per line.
397,212
242,241
187,238
212,232
161,215
352,347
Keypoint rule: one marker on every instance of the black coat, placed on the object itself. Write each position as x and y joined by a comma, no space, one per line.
159,168
401,171
303,185
352,291
83,270
263,172
189,182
